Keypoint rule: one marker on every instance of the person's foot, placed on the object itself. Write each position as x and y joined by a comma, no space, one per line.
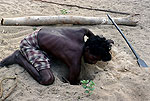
9,60
1,65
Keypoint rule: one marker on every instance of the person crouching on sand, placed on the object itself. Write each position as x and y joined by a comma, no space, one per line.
66,44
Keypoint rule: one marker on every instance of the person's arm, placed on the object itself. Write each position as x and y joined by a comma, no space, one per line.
73,75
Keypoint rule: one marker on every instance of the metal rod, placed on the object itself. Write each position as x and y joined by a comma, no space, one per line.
140,62
136,55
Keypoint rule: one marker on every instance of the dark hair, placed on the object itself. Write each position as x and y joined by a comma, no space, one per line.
99,46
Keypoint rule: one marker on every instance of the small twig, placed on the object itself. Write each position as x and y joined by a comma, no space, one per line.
65,80
96,9
11,90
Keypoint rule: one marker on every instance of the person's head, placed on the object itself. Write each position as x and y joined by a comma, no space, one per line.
97,48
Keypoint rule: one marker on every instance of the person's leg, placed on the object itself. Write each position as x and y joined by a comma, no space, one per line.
9,60
44,76
34,60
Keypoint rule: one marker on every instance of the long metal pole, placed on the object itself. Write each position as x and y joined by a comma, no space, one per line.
140,61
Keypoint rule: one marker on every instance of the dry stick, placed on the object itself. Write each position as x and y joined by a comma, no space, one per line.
96,9
16,35
11,90
65,80
64,19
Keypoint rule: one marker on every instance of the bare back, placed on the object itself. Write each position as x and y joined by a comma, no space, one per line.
64,43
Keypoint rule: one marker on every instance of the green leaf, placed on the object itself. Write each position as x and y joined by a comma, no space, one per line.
84,86
88,87
87,91
87,81
34,28
83,81
91,89
92,83
64,11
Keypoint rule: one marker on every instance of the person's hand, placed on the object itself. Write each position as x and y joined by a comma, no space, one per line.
110,41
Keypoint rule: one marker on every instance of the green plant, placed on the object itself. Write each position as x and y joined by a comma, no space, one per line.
63,11
88,85
34,28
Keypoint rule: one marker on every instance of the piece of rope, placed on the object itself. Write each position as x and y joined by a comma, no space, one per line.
11,89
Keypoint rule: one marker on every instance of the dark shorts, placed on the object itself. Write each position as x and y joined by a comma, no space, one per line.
30,50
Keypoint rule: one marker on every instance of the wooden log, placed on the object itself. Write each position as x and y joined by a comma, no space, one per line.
64,19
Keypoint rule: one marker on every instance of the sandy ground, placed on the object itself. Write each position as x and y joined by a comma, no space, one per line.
121,79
